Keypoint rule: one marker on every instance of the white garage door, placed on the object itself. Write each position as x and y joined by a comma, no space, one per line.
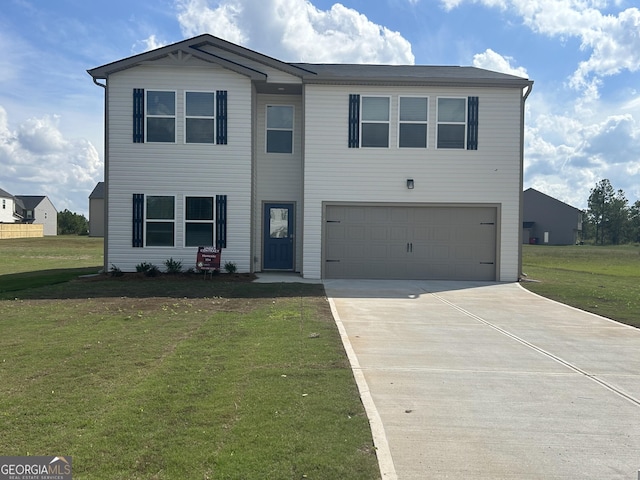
399,242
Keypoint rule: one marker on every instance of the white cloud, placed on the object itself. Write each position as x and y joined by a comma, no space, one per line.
38,160
149,43
566,155
491,60
612,40
295,30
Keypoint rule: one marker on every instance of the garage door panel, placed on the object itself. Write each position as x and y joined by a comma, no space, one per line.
410,242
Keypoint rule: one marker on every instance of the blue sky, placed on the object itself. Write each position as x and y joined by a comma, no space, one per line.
582,120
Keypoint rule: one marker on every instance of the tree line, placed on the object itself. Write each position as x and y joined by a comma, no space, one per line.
610,220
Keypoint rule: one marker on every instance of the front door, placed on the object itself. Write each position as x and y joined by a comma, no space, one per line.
278,236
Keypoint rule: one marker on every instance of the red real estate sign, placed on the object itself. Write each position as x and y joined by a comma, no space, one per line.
208,258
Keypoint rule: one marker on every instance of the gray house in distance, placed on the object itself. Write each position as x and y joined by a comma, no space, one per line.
38,209
96,211
549,221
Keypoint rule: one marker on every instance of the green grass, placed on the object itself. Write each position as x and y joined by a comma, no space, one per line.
180,377
603,280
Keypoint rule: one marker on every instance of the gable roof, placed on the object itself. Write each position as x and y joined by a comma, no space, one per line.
29,202
98,191
532,192
312,72
5,194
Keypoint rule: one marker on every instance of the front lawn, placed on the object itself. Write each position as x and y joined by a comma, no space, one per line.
603,280
180,377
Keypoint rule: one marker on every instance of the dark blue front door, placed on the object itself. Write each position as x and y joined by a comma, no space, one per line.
278,236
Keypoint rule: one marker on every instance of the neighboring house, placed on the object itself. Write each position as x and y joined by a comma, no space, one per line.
38,209
10,208
333,171
547,220
96,211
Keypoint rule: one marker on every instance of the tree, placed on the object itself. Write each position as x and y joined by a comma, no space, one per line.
634,222
618,218
70,223
599,201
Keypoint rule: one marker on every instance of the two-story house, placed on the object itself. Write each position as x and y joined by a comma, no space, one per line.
10,208
333,171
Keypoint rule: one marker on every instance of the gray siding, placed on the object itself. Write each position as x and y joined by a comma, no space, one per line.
279,177
561,222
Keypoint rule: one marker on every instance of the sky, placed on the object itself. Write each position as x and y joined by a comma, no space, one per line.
582,118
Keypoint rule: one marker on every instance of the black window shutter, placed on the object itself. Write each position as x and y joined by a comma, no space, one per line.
472,123
138,220
138,115
221,221
221,117
354,120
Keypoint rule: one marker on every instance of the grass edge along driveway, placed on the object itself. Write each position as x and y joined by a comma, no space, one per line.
177,378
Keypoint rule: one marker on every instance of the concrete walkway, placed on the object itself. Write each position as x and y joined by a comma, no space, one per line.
488,381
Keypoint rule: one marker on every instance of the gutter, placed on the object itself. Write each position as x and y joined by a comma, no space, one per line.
521,209
106,173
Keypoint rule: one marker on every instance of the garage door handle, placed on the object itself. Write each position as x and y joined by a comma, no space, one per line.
409,247
332,261
486,263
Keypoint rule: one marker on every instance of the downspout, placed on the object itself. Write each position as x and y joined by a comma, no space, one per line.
106,176
521,213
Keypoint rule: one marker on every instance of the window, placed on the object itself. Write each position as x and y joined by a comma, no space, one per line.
160,221
452,120
161,116
375,122
199,117
413,122
198,222
279,129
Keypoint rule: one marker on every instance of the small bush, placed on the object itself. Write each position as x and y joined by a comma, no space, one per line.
230,267
143,267
115,271
152,272
173,266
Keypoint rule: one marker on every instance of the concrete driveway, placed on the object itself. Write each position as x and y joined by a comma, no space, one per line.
488,381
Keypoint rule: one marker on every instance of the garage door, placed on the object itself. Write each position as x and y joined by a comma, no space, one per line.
399,242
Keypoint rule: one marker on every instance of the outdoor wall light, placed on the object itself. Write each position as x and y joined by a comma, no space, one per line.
410,183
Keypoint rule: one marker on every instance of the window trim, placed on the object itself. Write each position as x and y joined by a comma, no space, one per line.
292,129
174,116
146,220
363,121
465,123
414,122
200,117
212,222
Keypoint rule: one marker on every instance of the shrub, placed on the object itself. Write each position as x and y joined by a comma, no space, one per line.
153,271
173,266
230,267
143,267
115,271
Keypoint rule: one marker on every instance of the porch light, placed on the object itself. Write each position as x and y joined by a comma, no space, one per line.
410,183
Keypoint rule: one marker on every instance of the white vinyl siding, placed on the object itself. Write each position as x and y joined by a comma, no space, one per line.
180,169
335,173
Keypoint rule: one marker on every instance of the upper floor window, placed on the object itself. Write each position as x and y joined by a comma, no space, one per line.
161,116
4,204
412,132
199,117
160,221
452,122
375,122
279,129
